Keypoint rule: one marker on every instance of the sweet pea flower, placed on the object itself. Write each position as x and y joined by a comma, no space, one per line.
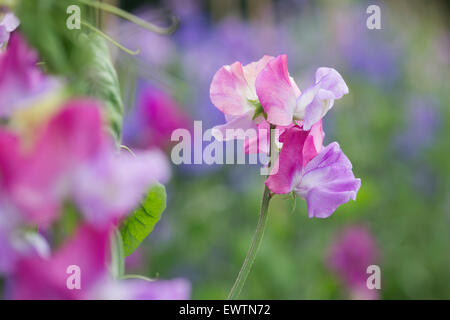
21,80
72,158
321,175
15,242
353,250
112,185
151,123
8,24
37,277
233,92
282,100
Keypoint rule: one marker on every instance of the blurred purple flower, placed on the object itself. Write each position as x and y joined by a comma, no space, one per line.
365,51
349,256
423,121
21,81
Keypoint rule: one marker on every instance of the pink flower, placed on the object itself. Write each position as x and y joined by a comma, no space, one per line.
36,277
282,100
277,92
351,253
233,92
8,24
21,81
111,185
263,93
322,176
151,124
72,158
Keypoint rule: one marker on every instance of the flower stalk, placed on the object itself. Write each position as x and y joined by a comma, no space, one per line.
253,250
257,237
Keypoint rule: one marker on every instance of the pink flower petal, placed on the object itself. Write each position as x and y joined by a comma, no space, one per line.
230,91
277,92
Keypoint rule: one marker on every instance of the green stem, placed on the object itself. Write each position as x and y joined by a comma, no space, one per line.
130,17
252,251
257,237
104,35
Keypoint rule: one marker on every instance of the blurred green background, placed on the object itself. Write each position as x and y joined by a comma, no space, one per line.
394,126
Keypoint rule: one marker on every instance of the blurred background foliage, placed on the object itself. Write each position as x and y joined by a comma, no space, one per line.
394,126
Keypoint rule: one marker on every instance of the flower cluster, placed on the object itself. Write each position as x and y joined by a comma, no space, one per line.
66,162
263,94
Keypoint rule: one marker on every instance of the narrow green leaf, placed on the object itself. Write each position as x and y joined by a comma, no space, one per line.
141,222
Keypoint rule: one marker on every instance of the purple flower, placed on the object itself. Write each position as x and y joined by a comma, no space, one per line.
322,176
8,24
317,100
350,255
422,124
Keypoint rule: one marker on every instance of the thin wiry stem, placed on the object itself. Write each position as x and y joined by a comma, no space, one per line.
104,35
253,250
131,17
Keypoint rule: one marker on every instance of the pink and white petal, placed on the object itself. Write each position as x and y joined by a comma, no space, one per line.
276,92
10,22
226,132
313,143
229,90
261,142
251,72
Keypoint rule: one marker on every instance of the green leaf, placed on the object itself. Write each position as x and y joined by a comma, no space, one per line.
141,222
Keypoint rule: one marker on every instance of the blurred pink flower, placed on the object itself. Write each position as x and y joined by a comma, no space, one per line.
349,256
21,80
72,158
40,278
151,124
